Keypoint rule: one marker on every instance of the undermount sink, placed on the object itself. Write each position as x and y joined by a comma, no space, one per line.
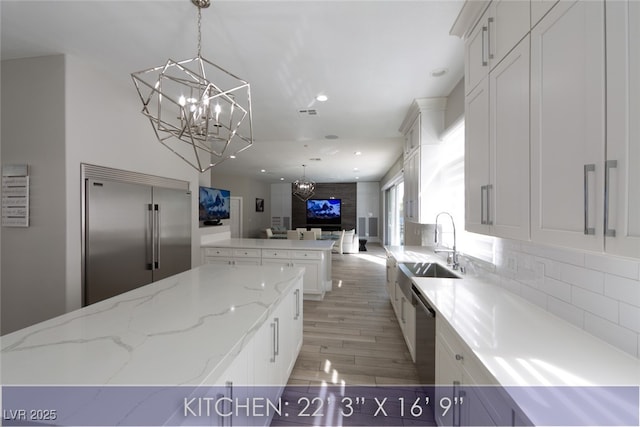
427,269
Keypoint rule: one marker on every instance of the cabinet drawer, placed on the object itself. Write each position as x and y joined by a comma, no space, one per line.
223,252
246,253
307,255
275,254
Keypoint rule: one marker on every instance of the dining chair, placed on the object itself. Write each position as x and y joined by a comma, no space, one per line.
337,248
308,235
269,233
293,235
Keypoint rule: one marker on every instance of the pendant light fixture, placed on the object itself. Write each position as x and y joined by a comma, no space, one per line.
198,110
303,188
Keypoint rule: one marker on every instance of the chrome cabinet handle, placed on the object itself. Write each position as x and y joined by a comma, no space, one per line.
489,22
273,341
482,208
587,168
459,357
485,30
277,347
297,296
150,238
609,164
489,188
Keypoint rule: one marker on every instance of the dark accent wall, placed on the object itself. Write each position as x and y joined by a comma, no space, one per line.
344,191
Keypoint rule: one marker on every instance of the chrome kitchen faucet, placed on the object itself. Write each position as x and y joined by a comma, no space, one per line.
452,259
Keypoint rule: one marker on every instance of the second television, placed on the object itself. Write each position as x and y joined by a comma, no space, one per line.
324,211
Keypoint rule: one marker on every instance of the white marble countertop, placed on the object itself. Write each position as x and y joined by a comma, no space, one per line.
307,245
518,342
182,330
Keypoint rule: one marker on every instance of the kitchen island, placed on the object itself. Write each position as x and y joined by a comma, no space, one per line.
208,326
313,255
538,365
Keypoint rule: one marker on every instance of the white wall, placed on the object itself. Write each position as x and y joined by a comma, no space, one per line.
59,112
253,223
112,133
33,133
368,206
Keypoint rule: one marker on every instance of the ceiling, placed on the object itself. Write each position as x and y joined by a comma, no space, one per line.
371,58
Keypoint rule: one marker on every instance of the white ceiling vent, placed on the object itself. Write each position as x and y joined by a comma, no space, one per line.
308,112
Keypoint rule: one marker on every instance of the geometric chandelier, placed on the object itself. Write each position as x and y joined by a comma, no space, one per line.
202,122
303,188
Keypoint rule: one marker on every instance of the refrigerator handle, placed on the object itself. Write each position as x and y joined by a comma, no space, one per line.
156,235
150,229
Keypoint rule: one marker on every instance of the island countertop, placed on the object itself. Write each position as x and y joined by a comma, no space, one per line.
182,330
307,245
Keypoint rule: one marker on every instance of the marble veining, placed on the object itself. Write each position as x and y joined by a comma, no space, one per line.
184,329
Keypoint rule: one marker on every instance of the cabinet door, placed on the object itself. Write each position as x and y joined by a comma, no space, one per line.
410,328
476,164
539,8
622,176
567,126
508,23
312,284
509,139
476,55
449,380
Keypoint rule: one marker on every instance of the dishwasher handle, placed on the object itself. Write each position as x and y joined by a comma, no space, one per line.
417,296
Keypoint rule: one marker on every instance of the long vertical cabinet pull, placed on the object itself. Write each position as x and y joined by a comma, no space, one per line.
485,61
277,342
151,256
229,387
273,341
587,168
482,207
609,164
489,22
489,220
156,236
297,297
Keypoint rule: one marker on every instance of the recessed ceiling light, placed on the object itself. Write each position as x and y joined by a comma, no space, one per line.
331,137
322,98
358,153
281,179
357,177
356,169
232,156
263,170
439,72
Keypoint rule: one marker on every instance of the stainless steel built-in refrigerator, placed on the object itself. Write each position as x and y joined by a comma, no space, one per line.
134,232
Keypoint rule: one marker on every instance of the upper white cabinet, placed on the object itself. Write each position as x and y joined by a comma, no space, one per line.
497,149
621,171
421,127
501,27
539,8
568,125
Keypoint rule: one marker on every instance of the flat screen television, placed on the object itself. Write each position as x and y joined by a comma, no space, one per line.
215,204
324,211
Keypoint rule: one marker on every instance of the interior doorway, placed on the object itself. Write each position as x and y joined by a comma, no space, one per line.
236,217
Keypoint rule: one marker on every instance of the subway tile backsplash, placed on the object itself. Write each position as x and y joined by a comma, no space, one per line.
595,292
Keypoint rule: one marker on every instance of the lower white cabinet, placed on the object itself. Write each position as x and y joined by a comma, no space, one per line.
406,314
317,276
462,378
263,366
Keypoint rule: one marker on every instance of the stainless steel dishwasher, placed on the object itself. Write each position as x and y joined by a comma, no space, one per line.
425,337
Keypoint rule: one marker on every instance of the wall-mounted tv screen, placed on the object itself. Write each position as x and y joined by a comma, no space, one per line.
214,204
324,211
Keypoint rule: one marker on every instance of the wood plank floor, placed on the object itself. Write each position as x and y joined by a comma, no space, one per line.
353,335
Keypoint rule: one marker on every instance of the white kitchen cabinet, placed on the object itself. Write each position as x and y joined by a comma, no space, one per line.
232,256
497,149
412,137
477,158
539,8
501,27
462,378
567,126
312,262
412,186
622,175
392,274
406,315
